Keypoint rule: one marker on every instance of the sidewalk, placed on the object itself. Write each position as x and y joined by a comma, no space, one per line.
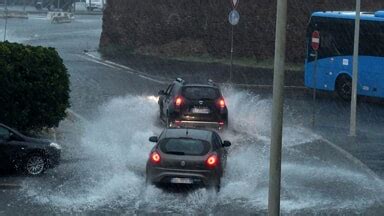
367,147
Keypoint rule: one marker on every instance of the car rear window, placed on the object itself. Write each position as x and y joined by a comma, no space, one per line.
198,93
181,146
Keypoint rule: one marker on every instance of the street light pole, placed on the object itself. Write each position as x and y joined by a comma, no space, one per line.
277,110
355,70
6,20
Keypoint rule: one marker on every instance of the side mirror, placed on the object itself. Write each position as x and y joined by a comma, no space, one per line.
154,139
11,137
226,143
161,92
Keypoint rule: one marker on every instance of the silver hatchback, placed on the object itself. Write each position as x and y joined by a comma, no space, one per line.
187,156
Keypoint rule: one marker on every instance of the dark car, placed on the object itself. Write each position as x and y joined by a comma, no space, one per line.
193,105
31,155
187,156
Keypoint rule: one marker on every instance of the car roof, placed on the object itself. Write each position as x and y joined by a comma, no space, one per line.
376,16
201,134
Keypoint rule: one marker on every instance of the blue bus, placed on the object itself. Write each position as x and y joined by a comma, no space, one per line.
334,65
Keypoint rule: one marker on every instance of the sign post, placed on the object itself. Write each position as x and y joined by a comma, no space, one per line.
315,44
233,18
352,129
234,3
6,19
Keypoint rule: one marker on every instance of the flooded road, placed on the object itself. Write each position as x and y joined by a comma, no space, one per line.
103,168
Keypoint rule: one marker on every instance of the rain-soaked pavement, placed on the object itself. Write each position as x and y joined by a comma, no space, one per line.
104,156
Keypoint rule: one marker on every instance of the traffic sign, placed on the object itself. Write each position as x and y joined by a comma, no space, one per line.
234,3
315,40
234,17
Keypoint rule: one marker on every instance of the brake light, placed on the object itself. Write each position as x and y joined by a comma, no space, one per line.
212,161
178,101
155,157
221,103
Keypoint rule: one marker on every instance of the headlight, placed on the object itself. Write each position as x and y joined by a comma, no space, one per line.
55,145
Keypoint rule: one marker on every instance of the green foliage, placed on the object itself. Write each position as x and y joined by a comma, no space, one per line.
34,87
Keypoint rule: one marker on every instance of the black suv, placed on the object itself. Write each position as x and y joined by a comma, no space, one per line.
193,105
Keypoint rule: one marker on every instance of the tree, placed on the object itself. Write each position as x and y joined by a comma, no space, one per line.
34,86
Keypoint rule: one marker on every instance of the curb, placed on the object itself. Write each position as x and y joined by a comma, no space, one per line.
356,161
166,80
73,114
15,15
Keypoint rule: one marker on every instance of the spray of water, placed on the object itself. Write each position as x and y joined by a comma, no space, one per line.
114,150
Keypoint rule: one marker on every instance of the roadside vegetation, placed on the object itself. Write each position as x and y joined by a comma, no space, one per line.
34,87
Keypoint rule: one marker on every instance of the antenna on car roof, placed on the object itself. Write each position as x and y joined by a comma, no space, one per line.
180,80
210,82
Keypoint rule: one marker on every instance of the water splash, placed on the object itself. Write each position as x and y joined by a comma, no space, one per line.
115,148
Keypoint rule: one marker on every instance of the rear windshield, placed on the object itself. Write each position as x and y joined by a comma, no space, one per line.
199,93
182,146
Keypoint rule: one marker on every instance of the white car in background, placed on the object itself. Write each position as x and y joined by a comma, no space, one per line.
90,5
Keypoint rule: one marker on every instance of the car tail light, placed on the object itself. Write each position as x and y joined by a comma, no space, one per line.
178,101
221,123
178,123
212,161
221,103
155,157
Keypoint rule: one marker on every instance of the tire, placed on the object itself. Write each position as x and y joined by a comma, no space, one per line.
217,186
344,87
35,164
161,113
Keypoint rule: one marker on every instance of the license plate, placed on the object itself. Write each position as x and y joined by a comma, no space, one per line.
181,181
200,110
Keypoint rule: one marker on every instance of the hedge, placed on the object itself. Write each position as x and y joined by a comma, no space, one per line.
34,87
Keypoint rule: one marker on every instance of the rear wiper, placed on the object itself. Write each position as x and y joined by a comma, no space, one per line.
176,153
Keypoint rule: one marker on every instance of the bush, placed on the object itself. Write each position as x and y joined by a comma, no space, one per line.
34,87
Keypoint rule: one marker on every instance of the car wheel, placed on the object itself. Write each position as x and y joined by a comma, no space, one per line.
344,87
35,164
168,121
161,113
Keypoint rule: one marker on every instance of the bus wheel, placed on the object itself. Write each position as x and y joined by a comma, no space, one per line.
344,87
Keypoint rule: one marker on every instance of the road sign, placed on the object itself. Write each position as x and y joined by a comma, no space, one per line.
234,17
234,3
315,40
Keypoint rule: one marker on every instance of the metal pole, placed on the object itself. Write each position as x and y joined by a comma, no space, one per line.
24,5
6,20
231,67
277,110
314,90
355,70
58,4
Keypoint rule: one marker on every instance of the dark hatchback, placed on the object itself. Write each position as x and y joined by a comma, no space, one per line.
187,156
31,155
185,104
